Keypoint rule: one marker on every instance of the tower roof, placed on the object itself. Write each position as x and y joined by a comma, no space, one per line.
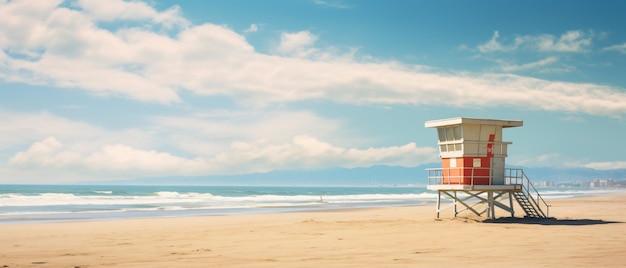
480,121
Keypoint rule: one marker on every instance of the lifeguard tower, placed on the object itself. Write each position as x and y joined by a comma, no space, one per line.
473,173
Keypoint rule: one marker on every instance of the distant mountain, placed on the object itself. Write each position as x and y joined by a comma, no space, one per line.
371,176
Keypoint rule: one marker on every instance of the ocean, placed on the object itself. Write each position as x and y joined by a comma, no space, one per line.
53,203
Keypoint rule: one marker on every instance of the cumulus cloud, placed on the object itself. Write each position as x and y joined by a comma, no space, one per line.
208,133
48,44
23,128
298,44
122,161
55,45
206,143
112,10
203,134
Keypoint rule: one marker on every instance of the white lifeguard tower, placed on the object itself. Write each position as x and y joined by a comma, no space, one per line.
473,173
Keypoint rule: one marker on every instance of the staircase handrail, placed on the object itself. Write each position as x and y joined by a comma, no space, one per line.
534,196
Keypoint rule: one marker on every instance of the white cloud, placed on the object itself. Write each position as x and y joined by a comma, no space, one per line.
54,149
607,165
619,48
23,128
118,161
202,134
493,45
571,41
532,65
208,134
331,3
252,29
298,44
41,152
112,10
68,49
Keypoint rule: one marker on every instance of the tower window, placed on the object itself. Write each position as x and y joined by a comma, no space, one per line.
453,133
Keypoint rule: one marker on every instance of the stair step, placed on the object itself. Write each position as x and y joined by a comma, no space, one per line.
526,205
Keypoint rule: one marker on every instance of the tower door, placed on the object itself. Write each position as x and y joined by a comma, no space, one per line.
497,170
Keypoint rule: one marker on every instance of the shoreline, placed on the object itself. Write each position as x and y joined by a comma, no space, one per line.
84,214
61,203
588,231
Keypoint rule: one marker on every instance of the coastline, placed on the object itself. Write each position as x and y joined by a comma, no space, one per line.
65,203
60,203
588,231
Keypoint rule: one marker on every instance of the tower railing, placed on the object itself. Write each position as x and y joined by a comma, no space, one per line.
457,176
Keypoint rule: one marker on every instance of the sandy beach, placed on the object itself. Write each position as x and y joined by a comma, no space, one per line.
587,232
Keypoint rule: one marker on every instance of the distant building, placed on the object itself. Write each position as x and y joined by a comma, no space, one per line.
602,183
545,184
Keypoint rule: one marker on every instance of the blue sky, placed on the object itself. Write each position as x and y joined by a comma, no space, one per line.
110,90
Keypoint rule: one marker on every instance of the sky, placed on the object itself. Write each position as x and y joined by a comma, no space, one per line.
112,90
